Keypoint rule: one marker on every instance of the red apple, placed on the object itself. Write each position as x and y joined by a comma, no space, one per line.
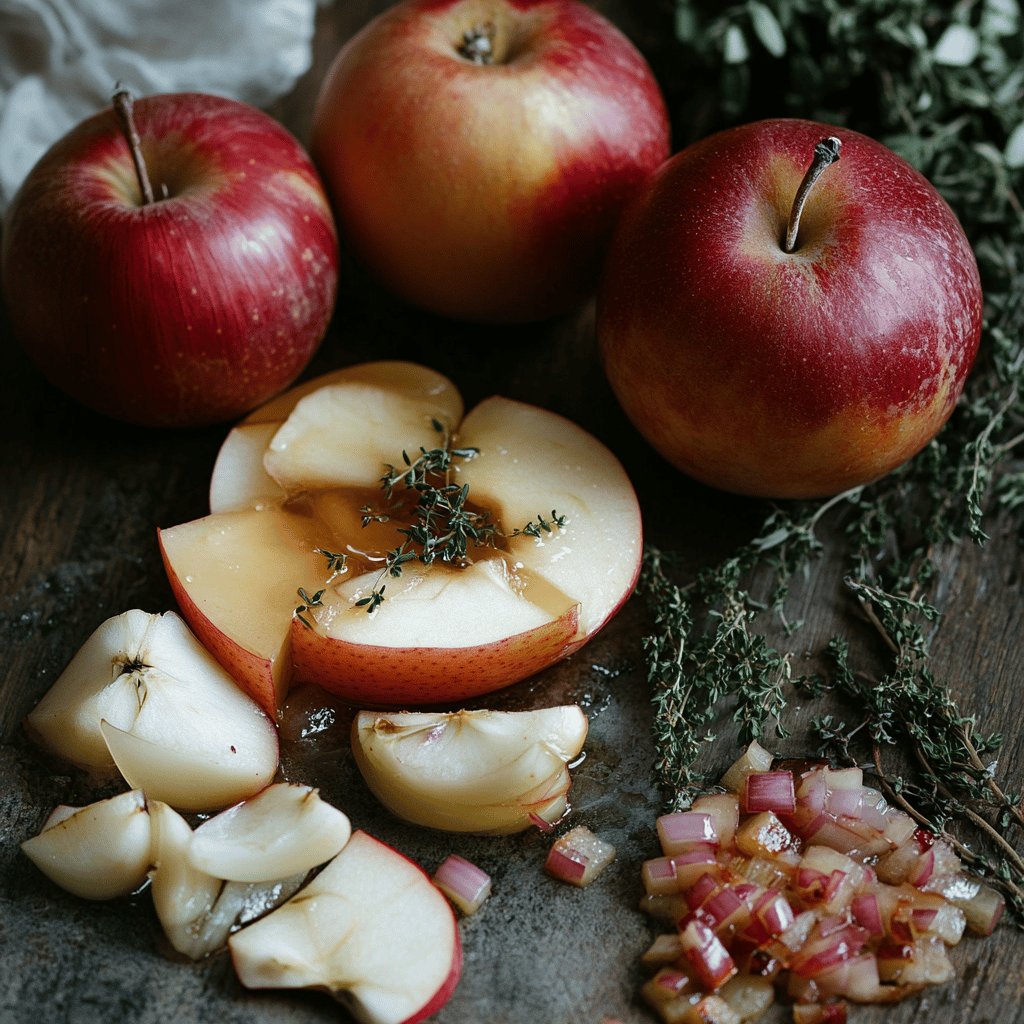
487,190
189,309
788,374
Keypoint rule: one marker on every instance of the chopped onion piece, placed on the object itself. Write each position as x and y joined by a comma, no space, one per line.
763,835
819,1013
724,810
679,830
579,857
769,791
706,955
466,885
754,759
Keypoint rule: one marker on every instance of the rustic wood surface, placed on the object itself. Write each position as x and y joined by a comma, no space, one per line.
79,503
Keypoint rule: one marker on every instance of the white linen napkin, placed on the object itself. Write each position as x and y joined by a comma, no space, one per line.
59,60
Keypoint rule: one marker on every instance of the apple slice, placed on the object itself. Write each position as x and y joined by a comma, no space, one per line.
531,461
373,410
143,690
96,852
371,929
470,771
442,634
282,831
235,577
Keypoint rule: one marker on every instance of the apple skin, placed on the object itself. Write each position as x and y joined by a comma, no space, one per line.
189,310
788,375
390,677
487,192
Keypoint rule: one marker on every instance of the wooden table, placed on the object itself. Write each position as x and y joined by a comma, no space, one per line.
81,498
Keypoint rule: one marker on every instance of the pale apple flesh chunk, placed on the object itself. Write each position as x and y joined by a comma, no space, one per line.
282,831
371,929
485,772
174,723
235,577
96,852
532,462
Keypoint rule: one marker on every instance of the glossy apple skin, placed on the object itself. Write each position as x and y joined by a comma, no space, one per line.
487,192
372,676
788,375
192,309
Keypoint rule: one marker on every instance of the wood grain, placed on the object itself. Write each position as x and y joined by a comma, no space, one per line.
79,504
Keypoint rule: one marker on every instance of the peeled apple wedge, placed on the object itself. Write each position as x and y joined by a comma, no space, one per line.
371,929
143,694
237,866
287,493
283,830
470,771
96,852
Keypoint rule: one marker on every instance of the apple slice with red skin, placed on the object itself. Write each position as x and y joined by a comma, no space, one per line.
371,929
217,564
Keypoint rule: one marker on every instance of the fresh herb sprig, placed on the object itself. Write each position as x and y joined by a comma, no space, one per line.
944,86
442,525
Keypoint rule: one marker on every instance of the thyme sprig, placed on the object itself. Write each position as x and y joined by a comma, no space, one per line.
943,85
441,525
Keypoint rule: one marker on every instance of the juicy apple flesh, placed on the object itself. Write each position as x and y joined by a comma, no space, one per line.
289,489
371,929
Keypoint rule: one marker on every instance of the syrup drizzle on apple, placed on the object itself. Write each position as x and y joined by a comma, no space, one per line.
826,153
124,103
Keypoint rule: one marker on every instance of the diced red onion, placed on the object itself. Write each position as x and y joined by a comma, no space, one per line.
567,867
701,890
466,885
923,869
723,906
775,914
677,831
707,956
769,791
867,913
845,802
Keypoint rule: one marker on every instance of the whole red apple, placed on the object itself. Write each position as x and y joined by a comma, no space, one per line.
788,374
194,307
478,152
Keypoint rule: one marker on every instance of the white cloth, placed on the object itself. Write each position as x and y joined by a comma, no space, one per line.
59,60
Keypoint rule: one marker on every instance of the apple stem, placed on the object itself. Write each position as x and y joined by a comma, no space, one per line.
826,153
124,103
478,44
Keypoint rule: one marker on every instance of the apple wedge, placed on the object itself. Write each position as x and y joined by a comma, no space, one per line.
485,772
282,831
387,407
371,929
238,865
289,514
142,694
96,852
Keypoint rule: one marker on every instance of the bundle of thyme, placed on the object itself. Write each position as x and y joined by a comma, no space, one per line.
943,85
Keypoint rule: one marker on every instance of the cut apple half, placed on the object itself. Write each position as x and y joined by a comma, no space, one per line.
371,929
487,772
96,852
144,695
288,515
